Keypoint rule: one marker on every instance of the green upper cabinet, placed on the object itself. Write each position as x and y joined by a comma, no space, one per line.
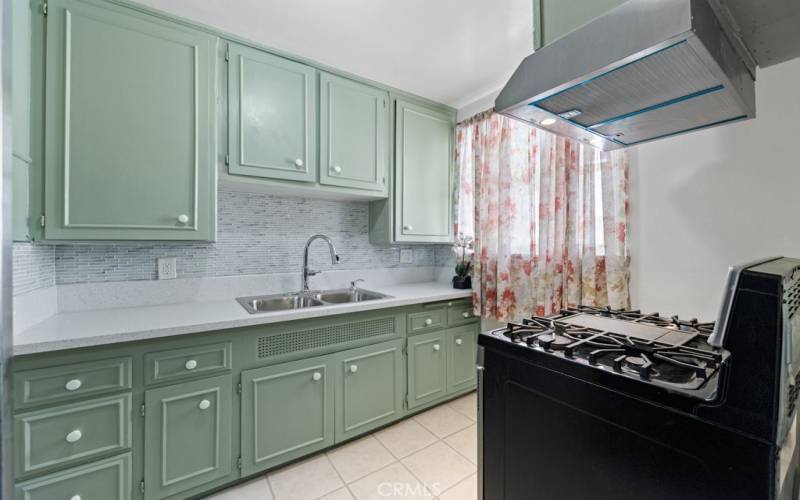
272,116
21,85
424,153
553,19
129,126
188,428
354,128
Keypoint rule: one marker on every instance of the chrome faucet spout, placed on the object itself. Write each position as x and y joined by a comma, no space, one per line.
308,272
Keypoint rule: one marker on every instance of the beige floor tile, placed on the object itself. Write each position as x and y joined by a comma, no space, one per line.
439,467
465,490
358,458
443,421
342,494
257,489
466,405
305,480
406,437
465,442
392,482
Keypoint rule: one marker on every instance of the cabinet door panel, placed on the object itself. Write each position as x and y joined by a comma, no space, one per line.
188,435
287,412
423,170
103,479
353,134
129,126
427,374
272,110
368,391
462,351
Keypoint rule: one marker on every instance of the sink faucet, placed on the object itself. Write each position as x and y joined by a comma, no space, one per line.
308,272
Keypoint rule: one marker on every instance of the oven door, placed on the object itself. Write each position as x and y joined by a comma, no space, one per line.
550,436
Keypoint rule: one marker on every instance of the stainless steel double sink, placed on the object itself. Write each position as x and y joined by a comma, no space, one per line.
291,301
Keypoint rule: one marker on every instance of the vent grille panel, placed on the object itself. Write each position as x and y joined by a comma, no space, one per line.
663,76
269,346
792,299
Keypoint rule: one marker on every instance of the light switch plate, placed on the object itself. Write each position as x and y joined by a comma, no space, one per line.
406,255
167,268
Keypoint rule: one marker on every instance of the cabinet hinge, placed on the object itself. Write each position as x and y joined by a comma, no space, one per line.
141,486
227,159
405,403
44,9
228,54
41,220
239,388
239,463
141,410
384,103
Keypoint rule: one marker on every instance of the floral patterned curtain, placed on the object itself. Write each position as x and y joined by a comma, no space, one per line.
548,215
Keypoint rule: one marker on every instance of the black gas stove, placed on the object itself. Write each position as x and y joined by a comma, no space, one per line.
667,351
623,404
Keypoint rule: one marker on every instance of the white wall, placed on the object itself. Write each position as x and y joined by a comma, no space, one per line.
707,200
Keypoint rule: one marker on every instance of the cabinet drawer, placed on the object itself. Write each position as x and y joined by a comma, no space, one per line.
106,479
460,314
67,382
187,362
62,435
423,321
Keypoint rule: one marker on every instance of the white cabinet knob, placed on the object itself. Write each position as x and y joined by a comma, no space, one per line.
466,314
449,304
408,227
73,385
337,169
353,368
75,497
436,347
298,163
183,218
74,436
191,364
459,341
317,376
204,404
428,321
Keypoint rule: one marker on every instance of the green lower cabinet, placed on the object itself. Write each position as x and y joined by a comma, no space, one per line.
188,435
108,479
287,412
461,357
427,368
369,388
68,434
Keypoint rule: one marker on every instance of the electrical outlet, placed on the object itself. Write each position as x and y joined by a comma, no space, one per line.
406,255
167,269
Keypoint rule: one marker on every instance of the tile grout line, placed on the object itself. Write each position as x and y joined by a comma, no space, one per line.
269,486
338,474
457,484
458,452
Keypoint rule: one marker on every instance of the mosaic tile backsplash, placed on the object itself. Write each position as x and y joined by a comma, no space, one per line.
256,233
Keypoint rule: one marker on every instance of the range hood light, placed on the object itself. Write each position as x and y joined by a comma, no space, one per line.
547,121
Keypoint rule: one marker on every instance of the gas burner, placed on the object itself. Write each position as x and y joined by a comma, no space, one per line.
518,332
637,316
552,341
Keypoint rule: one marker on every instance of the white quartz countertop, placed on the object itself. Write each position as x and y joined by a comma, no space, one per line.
70,330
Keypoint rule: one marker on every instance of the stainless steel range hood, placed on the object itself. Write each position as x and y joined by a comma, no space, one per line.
645,70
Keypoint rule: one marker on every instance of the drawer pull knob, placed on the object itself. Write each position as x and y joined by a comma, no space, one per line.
353,368
204,404
183,219
317,376
428,321
75,497
466,314
74,436
73,385
459,341
191,364
436,347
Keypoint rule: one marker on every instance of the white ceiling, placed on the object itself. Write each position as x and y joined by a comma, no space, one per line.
451,51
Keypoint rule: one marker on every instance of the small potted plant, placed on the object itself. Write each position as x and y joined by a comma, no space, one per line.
463,250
